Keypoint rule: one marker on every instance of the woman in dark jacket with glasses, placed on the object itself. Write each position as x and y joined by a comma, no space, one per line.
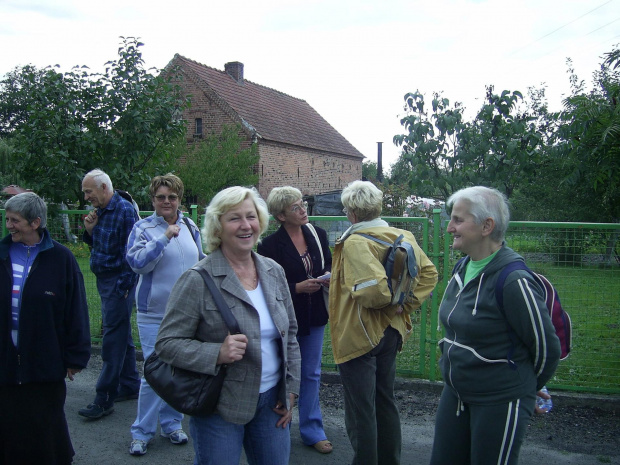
303,251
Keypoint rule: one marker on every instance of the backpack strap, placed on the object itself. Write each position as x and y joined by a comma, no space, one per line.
318,243
189,227
389,268
499,285
412,267
499,297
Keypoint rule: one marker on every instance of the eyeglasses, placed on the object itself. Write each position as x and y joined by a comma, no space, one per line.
297,208
171,197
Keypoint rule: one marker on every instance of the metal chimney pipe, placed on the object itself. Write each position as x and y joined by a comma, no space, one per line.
380,161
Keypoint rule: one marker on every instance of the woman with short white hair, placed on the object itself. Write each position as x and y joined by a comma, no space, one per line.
494,360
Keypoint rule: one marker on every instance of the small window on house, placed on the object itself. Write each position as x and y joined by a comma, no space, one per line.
198,132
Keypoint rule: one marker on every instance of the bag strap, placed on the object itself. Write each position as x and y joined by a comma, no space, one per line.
189,227
229,318
318,243
499,284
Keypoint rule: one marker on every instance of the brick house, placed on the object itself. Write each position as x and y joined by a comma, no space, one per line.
296,145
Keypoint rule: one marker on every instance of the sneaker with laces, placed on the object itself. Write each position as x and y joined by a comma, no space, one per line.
176,437
138,447
95,411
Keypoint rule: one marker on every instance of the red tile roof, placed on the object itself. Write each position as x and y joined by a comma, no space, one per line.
274,115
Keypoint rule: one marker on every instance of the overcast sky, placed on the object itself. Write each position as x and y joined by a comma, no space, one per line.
352,60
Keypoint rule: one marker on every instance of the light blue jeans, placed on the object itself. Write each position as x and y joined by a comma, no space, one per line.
219,442
310,418
151,407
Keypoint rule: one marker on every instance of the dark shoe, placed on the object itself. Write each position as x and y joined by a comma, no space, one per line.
95,411
123,396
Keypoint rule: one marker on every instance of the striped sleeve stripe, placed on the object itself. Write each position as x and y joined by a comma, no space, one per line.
537,325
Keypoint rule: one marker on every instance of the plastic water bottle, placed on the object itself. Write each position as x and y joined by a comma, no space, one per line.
544,403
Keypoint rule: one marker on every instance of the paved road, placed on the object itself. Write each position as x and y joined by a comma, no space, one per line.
106,441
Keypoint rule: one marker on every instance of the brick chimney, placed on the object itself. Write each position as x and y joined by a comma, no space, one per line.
235,70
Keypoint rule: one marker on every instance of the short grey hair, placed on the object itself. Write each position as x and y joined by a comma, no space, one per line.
30,206
100,178
280,198
364,199
485,202
223,201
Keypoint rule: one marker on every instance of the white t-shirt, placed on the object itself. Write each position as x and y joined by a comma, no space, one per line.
271,360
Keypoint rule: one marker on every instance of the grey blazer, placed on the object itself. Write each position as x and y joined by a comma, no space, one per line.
192,332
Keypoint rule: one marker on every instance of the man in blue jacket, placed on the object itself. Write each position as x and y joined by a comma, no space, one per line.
107,229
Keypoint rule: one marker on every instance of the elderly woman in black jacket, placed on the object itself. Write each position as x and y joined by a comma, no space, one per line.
303,251
44,336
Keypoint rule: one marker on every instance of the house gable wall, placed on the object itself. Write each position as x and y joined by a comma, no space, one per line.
312,172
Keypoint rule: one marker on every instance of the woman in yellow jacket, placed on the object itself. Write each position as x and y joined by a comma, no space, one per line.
367,330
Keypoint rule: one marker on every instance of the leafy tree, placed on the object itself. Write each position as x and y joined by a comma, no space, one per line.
589,139
8,173
217,162
369,171
61,125
443,153
428,164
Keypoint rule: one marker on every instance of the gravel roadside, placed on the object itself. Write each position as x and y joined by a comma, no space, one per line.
580,430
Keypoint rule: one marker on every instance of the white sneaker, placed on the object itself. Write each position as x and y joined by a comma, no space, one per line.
176,437
138,447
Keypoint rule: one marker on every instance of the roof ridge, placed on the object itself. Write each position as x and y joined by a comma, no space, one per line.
244,79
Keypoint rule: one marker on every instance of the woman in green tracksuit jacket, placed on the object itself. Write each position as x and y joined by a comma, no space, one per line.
490,375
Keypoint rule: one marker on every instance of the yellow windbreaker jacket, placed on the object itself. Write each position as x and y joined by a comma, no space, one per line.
359,297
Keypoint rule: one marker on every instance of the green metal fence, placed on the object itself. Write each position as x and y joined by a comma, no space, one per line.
581,259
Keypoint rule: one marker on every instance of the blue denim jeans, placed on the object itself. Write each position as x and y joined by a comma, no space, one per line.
219,442
310,418
151,408
370,411
117,349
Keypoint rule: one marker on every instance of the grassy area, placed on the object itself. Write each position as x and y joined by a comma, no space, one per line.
590,293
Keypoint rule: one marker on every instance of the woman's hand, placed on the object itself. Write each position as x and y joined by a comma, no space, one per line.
232,349
287,415
172,230
309,286
544,395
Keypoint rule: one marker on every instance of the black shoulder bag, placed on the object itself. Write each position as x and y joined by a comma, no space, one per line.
186,391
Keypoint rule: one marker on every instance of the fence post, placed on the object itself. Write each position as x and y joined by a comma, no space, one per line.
432,365
194,214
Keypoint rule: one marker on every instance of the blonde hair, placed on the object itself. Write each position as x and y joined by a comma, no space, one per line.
280,198
223,201
171,181
364,199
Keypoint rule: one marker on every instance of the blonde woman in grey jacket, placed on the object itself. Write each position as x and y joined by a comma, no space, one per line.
254,410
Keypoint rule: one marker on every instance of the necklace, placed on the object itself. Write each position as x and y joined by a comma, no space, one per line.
248,278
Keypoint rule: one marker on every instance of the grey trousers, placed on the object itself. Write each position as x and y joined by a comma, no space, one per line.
468,434
370,411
